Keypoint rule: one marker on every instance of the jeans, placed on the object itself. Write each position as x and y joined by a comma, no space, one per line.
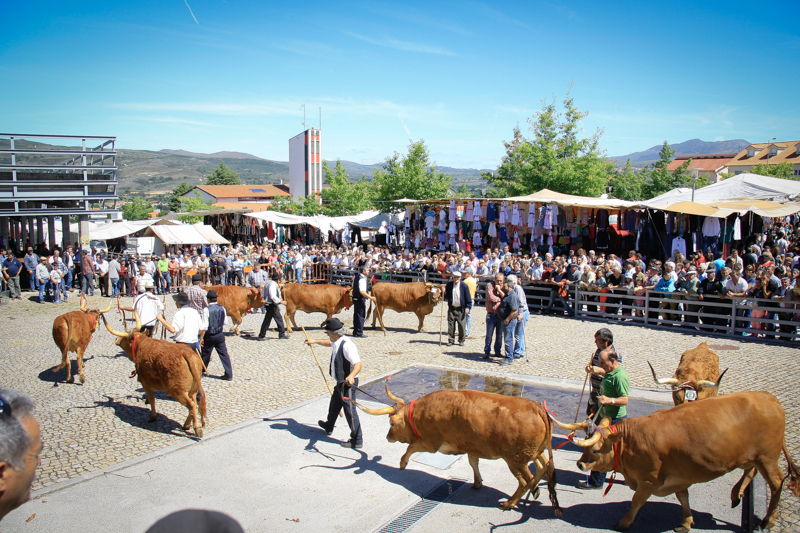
68,278
564,303
519,334
598,478
468,325
298,275
114,286
34,281
713,243
508,335
493,324
165,282
57,288
87,284
44,289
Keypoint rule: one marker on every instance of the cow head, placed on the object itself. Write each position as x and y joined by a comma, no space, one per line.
254,299
599,449
399,430
126,340
435,292
94,313
689,390
348,297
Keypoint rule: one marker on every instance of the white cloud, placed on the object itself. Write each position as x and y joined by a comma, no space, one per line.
407,46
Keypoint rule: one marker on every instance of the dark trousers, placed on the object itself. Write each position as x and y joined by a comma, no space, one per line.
598,478
210,342
359,312
350,411
273,311
455,316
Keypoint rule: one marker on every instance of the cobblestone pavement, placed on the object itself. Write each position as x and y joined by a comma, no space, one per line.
91,426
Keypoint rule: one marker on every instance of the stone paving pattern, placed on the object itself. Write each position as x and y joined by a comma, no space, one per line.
91,426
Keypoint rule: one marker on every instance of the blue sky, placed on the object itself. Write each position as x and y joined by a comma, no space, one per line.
209,75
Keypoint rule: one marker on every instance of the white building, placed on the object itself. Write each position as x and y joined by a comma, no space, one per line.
305,164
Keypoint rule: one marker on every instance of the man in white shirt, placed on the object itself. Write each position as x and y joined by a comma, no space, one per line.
148,307
101,267
186,323
736,286
142,279
297,266
344,368
272,296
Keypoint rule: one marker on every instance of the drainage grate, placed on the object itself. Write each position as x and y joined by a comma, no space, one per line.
422,508
436,460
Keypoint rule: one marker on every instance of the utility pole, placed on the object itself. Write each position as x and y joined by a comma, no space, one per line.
769,150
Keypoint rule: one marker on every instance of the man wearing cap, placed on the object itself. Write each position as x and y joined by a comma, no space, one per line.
687,287
359,305
196,294
186,323
147,306
101,267
43,279
87,270
344,368
31,261
11,269
214,320
459,302
271,294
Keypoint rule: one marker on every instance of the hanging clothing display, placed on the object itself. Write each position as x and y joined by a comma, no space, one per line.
548,217
515,215
477,211
452,229
468,215
476,238
517,244
503,214
491,212
737,229
531,215
452,214
492,230
503,234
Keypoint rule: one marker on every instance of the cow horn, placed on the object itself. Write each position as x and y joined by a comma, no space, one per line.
591,441
664,381
83,304
107,309
710,384
138,322
118,334
395,399
392,409
571,427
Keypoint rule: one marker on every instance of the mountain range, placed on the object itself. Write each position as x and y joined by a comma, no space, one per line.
690,147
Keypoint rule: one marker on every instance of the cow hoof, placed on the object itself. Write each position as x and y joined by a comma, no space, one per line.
535,493
187,426
199,433
476,486
83,378
681,529
151,419
71,379
620,527
505,506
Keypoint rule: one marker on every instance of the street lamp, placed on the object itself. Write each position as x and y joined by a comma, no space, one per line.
769,150
694,182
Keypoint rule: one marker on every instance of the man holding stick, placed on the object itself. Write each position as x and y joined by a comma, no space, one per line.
344,368
602,339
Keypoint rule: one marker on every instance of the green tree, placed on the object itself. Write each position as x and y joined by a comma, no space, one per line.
175,197
222,175
306,206
462,192
781,170
659,180
410,176
193,204
627,185
136,209
554,158
343,197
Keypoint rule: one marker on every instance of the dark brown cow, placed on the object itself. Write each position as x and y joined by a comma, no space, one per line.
327,298
72,332
670,450
697,376
417,297
166,366
237,301
481,425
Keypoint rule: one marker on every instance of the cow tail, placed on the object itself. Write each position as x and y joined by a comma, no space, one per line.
551,465
196,375
369,312
793,474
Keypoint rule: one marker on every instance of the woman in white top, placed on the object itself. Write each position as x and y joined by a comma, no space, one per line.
202,267
55,280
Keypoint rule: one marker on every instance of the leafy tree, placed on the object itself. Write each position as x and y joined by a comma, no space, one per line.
342,197
627,185
175,198
306,206
193,204
462,192
410,176
136,209
222,175
659,180
553,158
781,170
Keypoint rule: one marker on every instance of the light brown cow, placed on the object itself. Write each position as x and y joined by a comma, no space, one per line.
166,366
72,332
697,376
417,297
237,301
481,425
670,450
327,298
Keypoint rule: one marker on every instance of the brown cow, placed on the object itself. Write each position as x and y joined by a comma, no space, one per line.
482,425
327,298
166,366
72,332
237,301
670,450
697,376
417,297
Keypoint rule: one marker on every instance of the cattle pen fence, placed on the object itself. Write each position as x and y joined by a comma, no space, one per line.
774,321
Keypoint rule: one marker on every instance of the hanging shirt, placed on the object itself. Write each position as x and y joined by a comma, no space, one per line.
711,227
678,243
515,215
503,214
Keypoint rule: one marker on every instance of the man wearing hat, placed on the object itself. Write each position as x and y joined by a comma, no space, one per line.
214,321
359,295
271,294
148,307
31,261
43,279
459,302
688,288
196,294
344,368
186,323
472,283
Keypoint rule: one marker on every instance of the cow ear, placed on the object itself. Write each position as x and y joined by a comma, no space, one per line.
605,422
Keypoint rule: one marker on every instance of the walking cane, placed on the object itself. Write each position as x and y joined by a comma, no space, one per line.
441,319
319,365
580,401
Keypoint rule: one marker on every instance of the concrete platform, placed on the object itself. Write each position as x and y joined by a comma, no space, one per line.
282,473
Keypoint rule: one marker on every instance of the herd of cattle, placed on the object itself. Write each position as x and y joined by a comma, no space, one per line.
702,438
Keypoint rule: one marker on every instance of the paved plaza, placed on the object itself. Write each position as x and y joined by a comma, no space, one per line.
93,426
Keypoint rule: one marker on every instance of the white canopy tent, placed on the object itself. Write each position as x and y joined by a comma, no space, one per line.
741,187
184,234
370,220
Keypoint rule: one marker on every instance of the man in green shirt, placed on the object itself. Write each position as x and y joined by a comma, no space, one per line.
164,279
613,400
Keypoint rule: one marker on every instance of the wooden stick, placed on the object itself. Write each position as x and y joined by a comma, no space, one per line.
319,365
441,319
580,401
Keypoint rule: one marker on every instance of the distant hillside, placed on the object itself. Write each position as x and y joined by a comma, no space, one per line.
693,146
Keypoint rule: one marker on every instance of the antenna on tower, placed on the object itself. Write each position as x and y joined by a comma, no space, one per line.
320,117
304,116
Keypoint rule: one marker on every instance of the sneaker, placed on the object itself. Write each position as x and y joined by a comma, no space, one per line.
506,362
225,377
351,444
585,485
283,336
324,427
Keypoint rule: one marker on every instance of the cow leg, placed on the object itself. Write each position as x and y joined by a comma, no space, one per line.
412,448
236,319
65,363
774,477
738,490
151,399
473,462
81,351
639,498
290,318
191,420
524,477
379,312
421,318
688,521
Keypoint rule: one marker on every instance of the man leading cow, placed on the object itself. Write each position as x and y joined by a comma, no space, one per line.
272,296
359,305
